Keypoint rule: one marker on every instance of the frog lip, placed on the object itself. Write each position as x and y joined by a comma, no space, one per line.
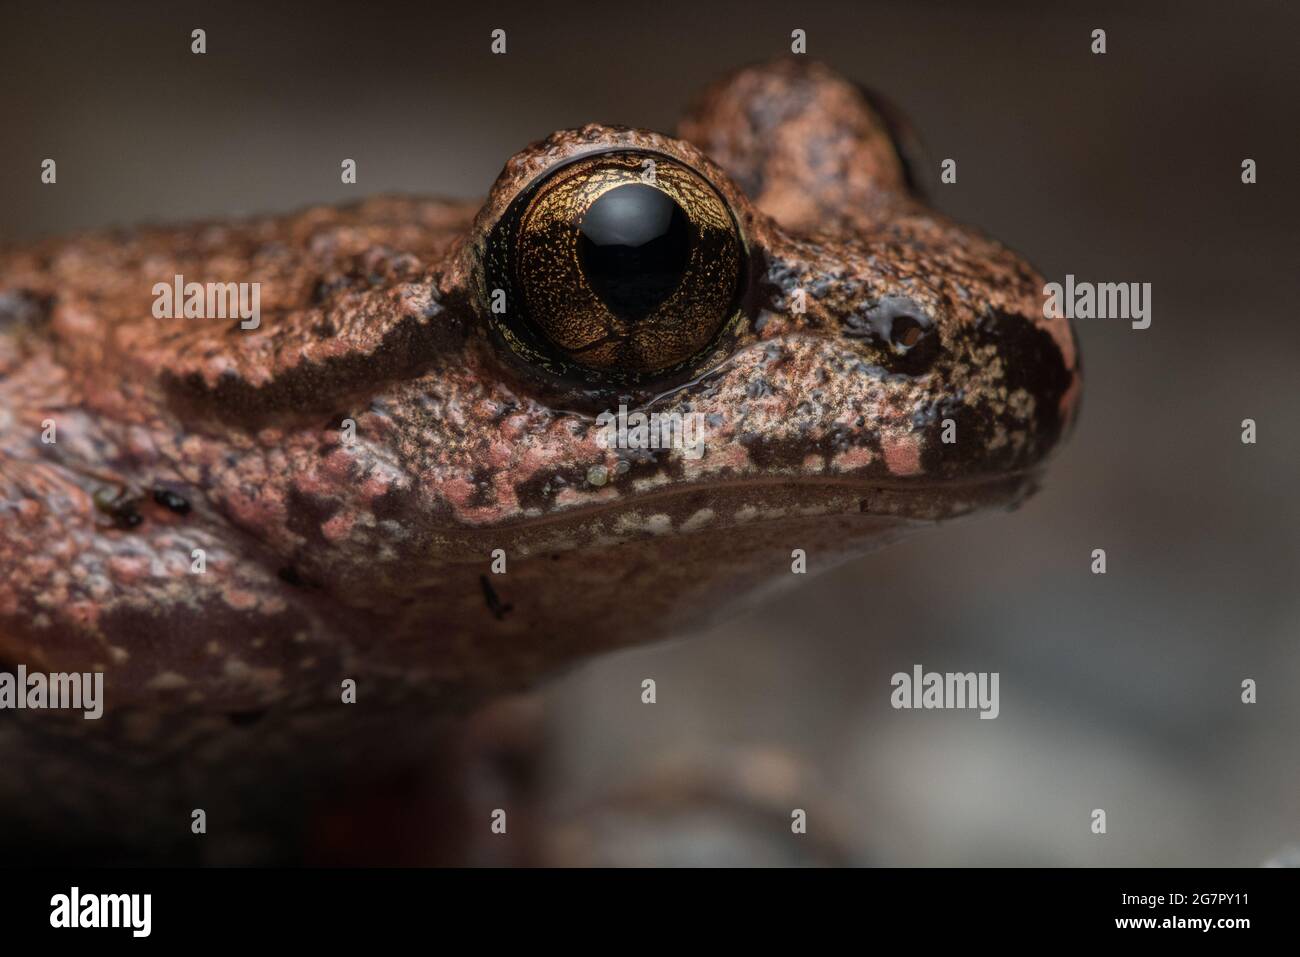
785,497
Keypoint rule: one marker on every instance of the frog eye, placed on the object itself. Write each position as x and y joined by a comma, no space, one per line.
621,267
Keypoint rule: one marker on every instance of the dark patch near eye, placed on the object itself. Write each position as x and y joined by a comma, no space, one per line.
120,505
408,346
172,501
494,603
781,274
242,719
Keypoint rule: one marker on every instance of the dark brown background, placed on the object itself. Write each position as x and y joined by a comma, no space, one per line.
1119,692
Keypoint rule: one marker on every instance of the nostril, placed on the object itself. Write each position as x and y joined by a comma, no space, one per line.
899,331
905,332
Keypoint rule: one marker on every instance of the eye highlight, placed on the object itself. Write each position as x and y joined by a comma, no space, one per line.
622,267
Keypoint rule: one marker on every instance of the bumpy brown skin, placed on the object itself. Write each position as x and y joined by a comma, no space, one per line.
370,560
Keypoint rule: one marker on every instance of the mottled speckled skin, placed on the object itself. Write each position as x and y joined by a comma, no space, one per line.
367,561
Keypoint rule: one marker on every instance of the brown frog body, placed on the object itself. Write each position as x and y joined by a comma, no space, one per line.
418,409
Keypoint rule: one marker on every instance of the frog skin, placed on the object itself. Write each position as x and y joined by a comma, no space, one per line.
370,558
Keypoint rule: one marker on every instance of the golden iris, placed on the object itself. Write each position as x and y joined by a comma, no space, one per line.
622,265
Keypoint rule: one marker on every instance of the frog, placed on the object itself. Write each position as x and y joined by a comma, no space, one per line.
325,537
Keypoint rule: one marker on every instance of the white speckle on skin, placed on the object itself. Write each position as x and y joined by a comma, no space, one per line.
167,681
650,482
628,522
701,518
659,524
632,522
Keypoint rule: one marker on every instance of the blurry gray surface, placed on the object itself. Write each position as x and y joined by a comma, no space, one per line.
1120,691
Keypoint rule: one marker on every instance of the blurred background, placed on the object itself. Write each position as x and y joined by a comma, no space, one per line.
1119,691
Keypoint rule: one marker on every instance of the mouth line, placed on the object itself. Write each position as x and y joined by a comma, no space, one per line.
781,497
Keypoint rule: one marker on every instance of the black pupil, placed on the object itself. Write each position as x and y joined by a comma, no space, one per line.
634,243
